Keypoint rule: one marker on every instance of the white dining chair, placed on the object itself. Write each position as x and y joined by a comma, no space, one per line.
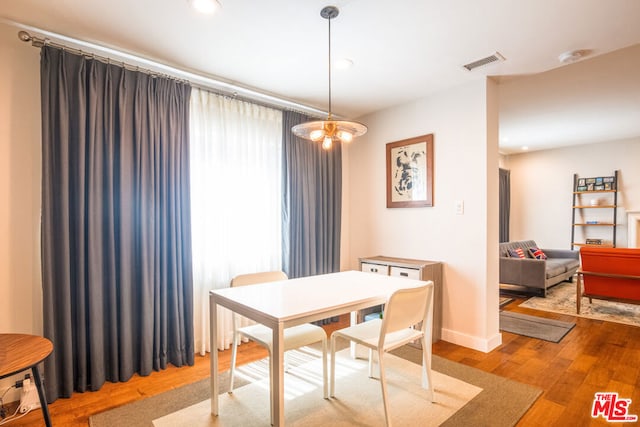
294,337
401,324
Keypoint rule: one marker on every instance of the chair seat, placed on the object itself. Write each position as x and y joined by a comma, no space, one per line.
368,334
294,337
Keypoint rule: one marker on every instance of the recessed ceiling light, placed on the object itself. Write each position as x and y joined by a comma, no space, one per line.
207,7
343,64
573,55
525,148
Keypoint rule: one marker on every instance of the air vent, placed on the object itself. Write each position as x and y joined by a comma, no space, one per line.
496,57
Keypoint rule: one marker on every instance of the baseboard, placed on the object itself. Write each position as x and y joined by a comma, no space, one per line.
484,345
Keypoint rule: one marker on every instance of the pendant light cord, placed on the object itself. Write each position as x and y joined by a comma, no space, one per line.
330,116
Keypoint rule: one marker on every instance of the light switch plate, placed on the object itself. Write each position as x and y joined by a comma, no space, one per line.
459,207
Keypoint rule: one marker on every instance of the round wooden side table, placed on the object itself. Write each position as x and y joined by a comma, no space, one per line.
19,352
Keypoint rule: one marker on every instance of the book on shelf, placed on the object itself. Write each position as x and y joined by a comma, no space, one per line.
593,241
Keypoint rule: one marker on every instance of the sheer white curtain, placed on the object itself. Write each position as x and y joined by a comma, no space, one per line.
236,168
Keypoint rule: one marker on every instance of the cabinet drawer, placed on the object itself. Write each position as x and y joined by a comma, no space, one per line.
375,268
410,273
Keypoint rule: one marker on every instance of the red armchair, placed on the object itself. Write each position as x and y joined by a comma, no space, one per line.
609,274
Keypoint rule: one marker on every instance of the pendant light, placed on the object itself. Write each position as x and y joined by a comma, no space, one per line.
329,131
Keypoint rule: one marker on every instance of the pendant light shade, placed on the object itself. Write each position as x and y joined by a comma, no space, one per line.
329,131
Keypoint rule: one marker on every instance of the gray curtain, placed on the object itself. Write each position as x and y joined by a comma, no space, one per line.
505,204
116,239
312,203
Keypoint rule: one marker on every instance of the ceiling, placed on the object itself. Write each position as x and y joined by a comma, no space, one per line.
401,51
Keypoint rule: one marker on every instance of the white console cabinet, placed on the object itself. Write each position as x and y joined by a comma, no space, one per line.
411,269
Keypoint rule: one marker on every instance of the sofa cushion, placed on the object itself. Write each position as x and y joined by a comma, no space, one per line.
555,267
523,244
537,253
571,264
516,253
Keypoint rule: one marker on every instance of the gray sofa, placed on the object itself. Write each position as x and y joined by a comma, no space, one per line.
560,265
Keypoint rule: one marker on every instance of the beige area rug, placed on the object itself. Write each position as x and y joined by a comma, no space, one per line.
358,398
562,299
502,402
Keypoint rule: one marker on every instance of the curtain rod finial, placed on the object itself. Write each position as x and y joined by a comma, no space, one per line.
24,36
35,41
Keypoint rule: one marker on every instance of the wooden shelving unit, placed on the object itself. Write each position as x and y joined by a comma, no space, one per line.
579,208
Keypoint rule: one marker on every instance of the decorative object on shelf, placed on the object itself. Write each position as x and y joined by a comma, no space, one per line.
596,216
410,172
593,241
600,183
329,131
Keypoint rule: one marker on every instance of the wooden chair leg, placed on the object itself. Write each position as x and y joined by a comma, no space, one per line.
578,293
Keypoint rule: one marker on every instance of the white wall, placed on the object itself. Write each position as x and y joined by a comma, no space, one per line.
465,169
542,185
20,279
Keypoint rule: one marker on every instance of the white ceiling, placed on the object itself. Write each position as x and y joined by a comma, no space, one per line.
401,50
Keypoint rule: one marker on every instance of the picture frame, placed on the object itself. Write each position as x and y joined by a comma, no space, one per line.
581,182
410,172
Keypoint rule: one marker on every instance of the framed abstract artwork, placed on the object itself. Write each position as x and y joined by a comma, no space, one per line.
410,172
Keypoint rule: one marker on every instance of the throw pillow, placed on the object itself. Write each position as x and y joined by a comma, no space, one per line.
537,253
516,253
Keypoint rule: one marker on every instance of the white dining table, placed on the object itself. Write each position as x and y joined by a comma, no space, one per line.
282,304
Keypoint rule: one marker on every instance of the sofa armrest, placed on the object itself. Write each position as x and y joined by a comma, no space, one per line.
524,272
561,253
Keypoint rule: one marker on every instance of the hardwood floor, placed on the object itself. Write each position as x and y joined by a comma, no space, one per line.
594,356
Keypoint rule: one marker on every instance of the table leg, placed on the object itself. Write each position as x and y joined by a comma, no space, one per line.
277,377
41,395
213,336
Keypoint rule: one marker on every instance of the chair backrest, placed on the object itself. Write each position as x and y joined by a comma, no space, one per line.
611,261
406,308
253,278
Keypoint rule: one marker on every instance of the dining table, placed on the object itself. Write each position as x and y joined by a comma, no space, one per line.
283,304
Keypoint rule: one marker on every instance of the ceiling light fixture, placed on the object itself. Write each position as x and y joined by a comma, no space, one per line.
573,55
207,7
329,131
